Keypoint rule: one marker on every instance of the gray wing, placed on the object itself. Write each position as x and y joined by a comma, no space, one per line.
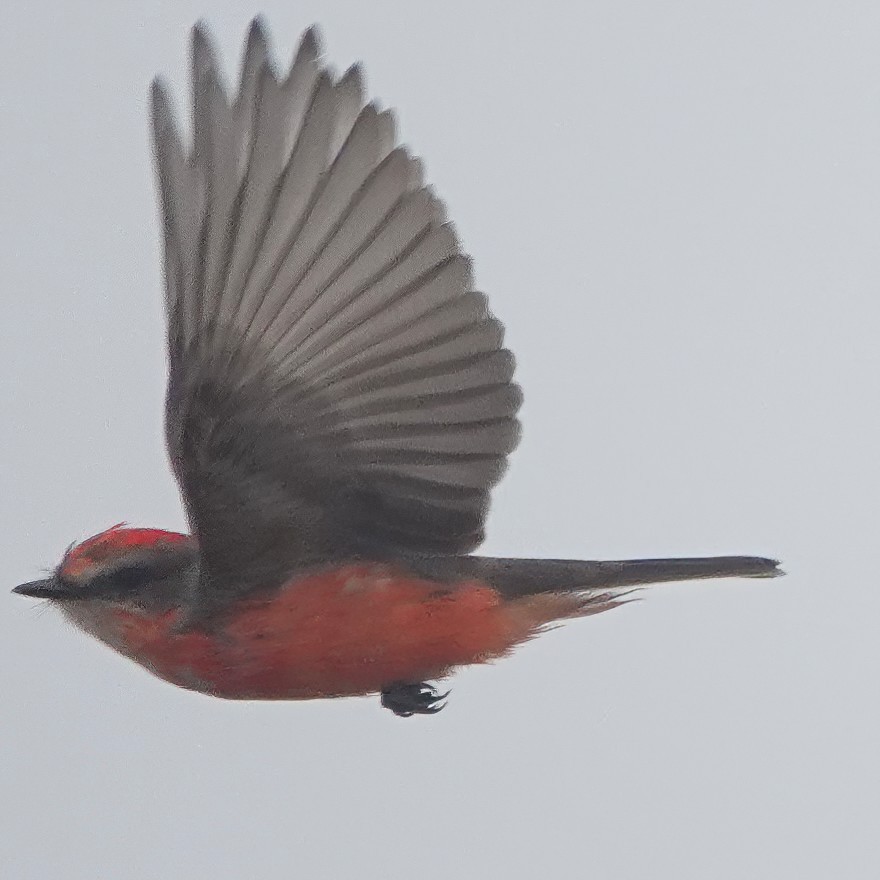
337,389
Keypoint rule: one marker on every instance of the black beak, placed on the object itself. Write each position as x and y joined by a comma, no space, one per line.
48,588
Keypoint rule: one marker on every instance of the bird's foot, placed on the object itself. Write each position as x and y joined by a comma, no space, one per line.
405,700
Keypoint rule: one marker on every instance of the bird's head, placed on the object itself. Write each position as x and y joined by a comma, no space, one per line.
135,568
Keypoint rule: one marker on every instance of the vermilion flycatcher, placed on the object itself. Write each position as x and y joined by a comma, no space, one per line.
339,406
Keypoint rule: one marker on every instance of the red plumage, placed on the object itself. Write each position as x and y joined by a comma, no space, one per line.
112,543
343,632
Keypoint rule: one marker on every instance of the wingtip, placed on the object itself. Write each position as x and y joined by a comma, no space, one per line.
258,30
353,78
312,42
199,36
257,50
160,106
387,129
202,50
258,57
158,93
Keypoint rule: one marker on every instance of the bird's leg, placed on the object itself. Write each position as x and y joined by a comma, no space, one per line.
405,700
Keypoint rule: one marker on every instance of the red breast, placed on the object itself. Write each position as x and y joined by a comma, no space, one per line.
347,631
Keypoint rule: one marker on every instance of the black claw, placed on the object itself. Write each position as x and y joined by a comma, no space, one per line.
405,700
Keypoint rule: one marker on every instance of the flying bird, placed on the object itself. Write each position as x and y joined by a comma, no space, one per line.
340,404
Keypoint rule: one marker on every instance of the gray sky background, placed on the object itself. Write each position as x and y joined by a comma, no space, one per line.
674,208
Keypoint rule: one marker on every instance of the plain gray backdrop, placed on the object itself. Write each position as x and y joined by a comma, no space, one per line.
674,208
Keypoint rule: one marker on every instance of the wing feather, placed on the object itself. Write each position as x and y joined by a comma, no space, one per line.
337,387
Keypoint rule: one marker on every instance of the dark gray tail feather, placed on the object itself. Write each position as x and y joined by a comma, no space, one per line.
524,577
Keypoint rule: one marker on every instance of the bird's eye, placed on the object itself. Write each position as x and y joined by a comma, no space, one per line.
129,577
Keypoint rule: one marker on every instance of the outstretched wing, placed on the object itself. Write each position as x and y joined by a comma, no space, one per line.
337,389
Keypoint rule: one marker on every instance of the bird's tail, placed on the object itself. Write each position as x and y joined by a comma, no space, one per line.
550,589
536,593
638,572
544,590
526,577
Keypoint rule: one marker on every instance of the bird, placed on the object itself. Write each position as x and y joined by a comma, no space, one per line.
340,404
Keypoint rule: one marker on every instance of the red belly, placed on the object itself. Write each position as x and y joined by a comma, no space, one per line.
344,632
